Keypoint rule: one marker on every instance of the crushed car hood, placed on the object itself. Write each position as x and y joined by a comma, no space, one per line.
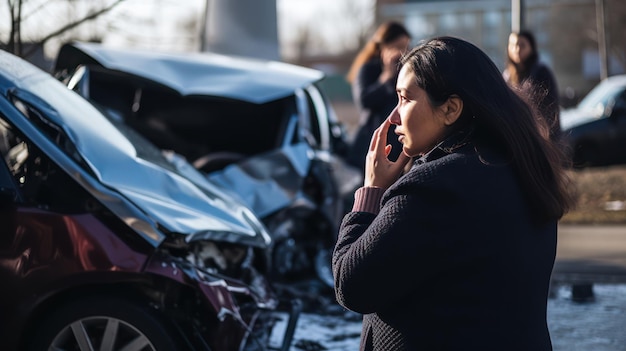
270,181
256,81
178,199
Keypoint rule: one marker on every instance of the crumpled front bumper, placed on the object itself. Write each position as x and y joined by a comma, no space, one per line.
274,329
249,317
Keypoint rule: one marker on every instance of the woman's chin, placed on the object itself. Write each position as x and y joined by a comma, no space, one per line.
409,153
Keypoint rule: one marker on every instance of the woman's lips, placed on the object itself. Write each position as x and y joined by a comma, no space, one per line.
400,137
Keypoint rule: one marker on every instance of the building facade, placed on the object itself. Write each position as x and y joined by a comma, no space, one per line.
581,40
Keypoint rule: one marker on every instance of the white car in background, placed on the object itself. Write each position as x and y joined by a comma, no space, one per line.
595,129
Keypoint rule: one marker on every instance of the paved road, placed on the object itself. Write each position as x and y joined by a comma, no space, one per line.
591,326
594,254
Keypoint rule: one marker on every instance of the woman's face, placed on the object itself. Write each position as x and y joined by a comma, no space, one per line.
519,48
391,52
419,125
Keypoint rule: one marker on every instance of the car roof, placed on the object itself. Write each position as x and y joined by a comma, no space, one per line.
247,79
618,79
614,81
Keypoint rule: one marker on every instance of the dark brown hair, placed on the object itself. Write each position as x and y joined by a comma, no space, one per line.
519,72
445,66
386,33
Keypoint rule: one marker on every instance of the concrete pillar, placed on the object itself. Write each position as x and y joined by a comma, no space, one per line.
517,15
241,27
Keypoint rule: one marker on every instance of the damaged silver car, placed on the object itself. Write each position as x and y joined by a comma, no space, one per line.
262,130
106,243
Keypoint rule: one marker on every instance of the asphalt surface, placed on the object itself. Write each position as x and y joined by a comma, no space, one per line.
586,311
591,254
596,325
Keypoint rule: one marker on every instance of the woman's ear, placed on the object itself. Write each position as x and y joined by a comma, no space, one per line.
452,109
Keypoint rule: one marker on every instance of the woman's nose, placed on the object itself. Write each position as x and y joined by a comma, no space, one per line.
394,116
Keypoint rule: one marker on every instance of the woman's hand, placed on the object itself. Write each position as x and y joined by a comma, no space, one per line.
390,60
379,170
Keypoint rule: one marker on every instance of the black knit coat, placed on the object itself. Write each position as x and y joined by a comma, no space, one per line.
453,261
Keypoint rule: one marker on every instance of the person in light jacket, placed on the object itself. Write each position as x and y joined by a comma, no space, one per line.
457,252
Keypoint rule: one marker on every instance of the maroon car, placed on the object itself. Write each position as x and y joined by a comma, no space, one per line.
106,243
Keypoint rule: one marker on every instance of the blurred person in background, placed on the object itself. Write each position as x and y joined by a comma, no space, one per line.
525,71
457,253
373,77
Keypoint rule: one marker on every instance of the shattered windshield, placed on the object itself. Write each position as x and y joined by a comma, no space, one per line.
144,148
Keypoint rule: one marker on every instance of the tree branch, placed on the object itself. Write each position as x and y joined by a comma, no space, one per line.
71,25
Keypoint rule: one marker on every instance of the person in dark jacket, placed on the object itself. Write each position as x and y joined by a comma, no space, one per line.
373,77
456,253
523,67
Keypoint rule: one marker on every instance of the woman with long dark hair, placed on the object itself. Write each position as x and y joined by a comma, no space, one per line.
525,71
456,253
373,77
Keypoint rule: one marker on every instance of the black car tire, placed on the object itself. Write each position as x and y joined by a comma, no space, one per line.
72,326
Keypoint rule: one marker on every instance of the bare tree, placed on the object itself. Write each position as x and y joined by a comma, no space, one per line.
14,43
335,32
361,18
303,40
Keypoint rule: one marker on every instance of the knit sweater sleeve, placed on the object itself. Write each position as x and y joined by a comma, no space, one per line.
418,235
373,251
367,199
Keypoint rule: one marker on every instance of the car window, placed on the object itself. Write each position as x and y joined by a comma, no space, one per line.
620,102
331,134
192,126
308,126
314,120
144,148
597,99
